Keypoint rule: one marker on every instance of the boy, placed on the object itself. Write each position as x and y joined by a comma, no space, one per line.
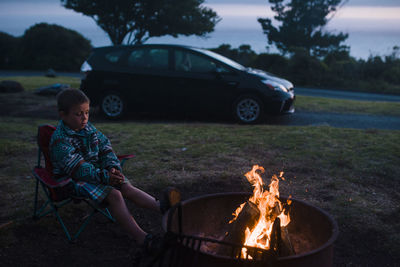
80,151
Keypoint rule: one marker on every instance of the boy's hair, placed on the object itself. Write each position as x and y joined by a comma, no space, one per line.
70,97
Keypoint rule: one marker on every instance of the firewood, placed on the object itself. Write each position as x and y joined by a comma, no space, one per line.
285,247
275,235
280,239
247,218
284,244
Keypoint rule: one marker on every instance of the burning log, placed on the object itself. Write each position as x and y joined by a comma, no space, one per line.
286,248
275,235
247,218
284,244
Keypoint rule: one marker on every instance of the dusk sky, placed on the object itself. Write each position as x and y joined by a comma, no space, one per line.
382,16
234,13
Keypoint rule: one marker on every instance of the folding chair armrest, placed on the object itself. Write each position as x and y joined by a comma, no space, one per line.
123,158
45,177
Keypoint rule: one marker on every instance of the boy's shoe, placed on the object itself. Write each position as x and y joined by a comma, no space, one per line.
152,249
171,197
153,244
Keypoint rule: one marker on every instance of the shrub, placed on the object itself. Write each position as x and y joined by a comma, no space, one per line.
47,46
243,55
306,69
274,63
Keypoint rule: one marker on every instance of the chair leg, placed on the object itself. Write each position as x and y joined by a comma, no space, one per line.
108,215
36,200
61,222
104,211
39,212
51,207
85,223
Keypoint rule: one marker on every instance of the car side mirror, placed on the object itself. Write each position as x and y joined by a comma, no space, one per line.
219,70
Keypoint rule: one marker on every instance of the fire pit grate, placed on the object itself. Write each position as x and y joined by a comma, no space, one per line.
188,251
196,228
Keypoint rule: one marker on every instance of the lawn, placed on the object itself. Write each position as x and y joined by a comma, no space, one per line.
30,83
352,174
323,104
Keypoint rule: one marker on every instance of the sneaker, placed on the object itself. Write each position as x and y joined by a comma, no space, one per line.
171,197
153,244
152,247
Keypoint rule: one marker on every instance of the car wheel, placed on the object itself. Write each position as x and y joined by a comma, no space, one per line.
112,105
248,109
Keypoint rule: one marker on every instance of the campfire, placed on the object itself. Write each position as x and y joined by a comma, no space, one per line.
266,229
261,221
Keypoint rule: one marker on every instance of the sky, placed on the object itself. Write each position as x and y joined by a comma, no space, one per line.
356,17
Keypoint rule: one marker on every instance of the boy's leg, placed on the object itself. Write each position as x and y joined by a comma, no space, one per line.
121,213
139,197
171,196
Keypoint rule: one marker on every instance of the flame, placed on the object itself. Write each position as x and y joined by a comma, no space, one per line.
269,205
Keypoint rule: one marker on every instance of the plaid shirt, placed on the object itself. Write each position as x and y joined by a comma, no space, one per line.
86,156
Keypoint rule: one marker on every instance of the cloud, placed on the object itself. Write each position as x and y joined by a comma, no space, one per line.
241,10
347,12
369,12
38,8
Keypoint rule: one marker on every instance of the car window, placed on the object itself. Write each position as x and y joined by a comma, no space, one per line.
113,56
149,58
190,62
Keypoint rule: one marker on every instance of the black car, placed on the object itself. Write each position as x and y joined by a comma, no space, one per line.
149,78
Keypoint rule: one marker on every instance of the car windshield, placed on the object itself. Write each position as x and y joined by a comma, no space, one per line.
221,58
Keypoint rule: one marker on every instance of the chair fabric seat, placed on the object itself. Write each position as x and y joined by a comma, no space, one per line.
47,178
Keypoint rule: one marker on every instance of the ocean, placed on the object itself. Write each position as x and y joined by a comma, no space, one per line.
363,44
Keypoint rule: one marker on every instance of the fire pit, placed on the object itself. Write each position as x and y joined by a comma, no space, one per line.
199,225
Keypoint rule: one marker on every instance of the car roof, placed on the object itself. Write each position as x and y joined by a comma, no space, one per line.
203,51
145,45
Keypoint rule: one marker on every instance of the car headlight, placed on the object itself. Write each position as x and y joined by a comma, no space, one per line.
275,86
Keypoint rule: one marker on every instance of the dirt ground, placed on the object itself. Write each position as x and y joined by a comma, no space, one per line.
102,243
42,242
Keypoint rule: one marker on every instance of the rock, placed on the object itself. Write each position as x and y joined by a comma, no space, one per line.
10,87
51,89
51,73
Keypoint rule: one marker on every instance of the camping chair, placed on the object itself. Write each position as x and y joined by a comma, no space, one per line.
59,194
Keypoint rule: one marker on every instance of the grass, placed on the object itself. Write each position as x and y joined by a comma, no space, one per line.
353,174
31,83
323,104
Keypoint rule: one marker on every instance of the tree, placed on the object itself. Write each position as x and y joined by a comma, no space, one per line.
47,46
8,50
244,54
139,20
302,26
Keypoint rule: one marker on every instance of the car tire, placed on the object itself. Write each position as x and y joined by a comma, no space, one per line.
248,109
112,105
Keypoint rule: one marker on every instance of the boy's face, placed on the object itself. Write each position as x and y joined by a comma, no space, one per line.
77,117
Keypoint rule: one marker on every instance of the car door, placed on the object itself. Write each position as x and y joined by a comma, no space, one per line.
148,69
204,84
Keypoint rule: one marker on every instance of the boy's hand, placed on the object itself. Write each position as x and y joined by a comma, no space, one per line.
116,172
116,177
